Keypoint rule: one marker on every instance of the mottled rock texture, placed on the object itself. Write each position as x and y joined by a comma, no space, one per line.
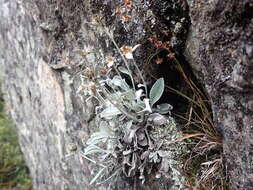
40,45
39,100
40,41
220,50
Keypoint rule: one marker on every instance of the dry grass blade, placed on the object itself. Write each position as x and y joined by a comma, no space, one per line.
187,137
206,141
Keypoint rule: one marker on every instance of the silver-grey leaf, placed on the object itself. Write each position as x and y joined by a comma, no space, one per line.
117,80
97,176
97,137
156,91
164,108
110,112
156,119
159,120
124,70
92,149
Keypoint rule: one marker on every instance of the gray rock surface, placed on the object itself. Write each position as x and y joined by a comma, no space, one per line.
39,100
39,59
219,48
40,45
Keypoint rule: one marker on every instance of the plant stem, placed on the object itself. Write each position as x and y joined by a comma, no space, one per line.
142,78
124,59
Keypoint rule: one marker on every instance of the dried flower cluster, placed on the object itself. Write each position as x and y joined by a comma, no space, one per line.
124,11
162,46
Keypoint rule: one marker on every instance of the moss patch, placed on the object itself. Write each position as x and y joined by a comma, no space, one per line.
13,171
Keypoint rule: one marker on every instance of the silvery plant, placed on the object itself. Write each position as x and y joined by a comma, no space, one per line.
134,136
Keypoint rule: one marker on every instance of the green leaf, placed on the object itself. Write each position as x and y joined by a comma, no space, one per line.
156,91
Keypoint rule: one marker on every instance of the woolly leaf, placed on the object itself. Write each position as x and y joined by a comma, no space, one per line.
124,70
110,112
92,149
97,176
164,108
156,91
96,138
117,80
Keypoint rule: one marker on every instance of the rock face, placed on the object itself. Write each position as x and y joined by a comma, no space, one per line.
39,100
220,50
41,42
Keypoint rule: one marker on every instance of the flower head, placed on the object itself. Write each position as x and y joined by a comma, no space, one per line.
171,55
92,88
128,3
80,88
118,10
110,61
125,18
159,61
88,73
85,52
127,51
88,89
103,71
